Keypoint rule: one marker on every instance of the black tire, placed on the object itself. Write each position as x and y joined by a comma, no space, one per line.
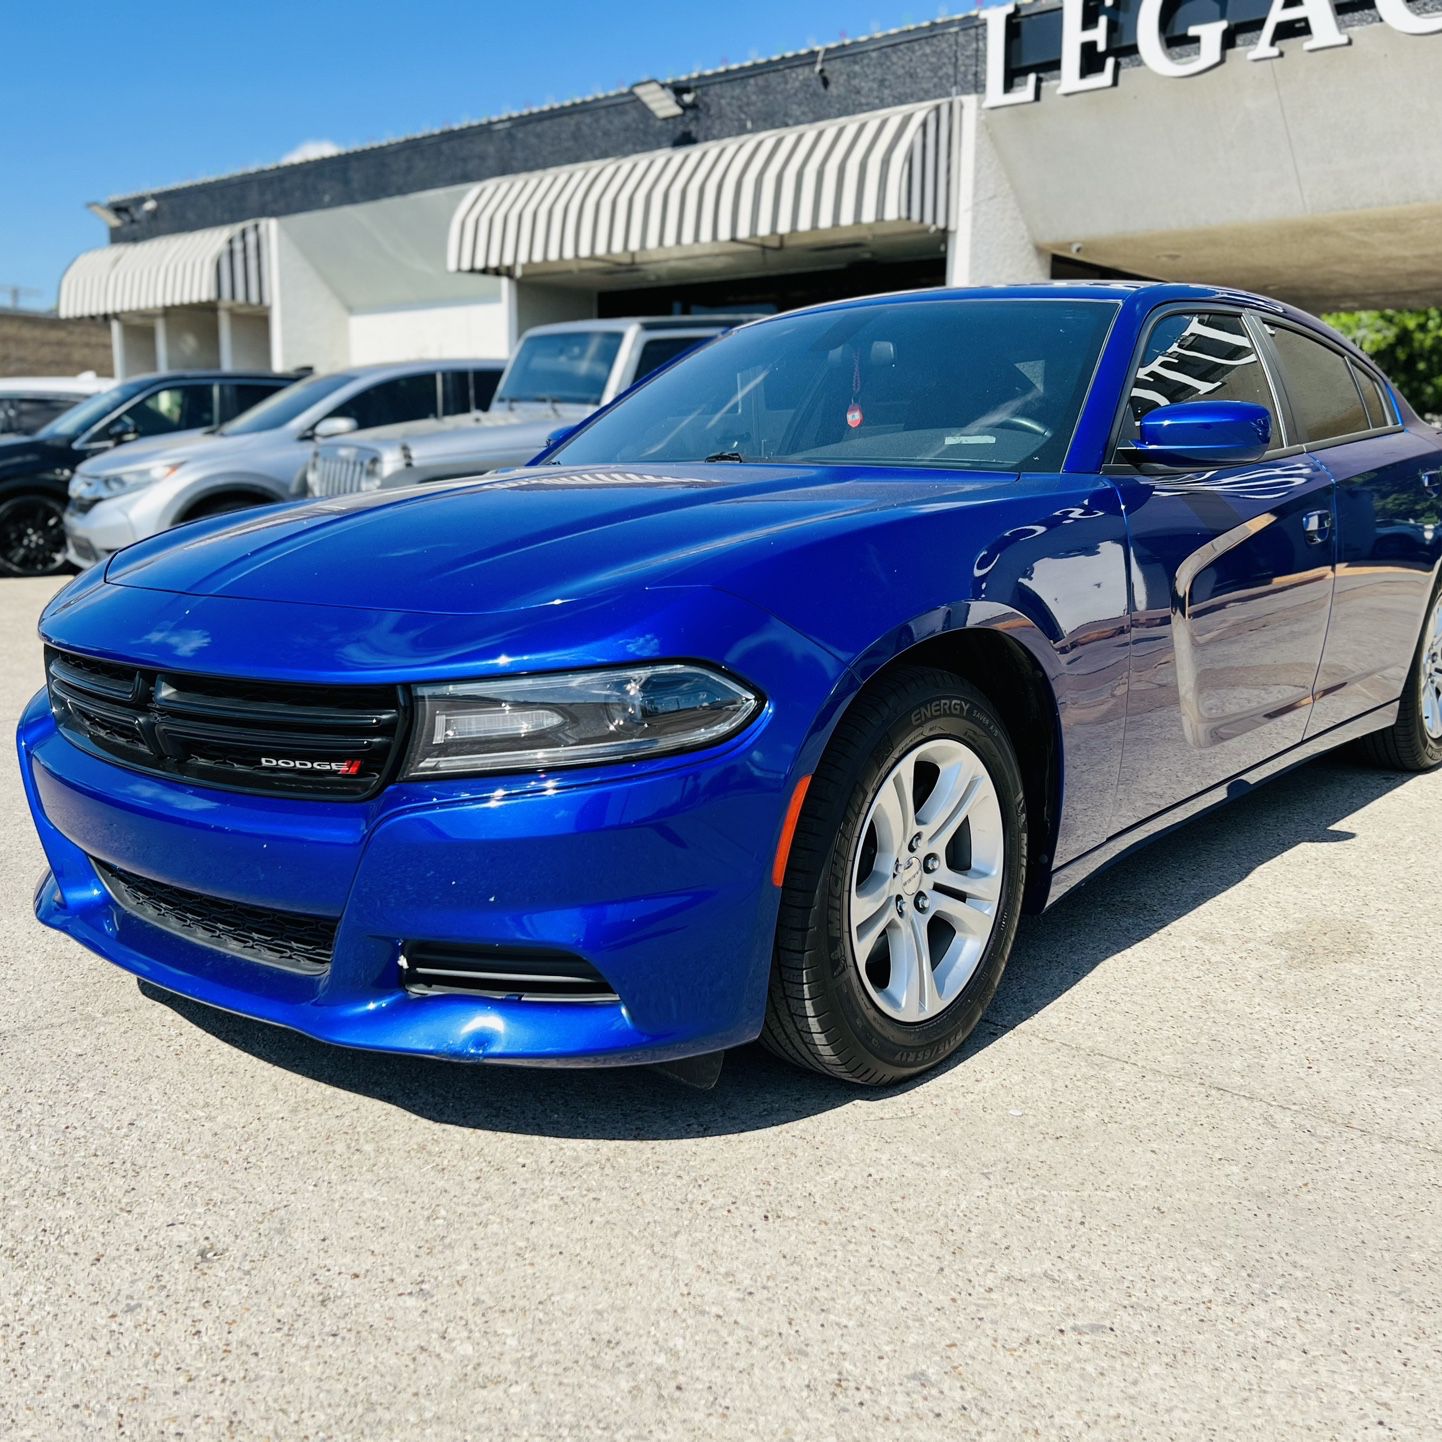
1407,744
820,1011
32,534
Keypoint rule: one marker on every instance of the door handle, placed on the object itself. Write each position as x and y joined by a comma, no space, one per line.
1430,479
1317,526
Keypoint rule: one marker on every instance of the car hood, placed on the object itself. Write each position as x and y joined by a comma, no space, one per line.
519,539
24,455
176,445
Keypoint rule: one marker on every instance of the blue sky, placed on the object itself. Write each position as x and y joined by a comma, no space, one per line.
104,98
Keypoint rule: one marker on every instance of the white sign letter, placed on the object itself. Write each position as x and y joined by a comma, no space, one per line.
1074,38
1154,52
1399,17
1321,21
996,92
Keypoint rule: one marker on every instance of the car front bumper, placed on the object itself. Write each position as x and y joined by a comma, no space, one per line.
95,534
657,875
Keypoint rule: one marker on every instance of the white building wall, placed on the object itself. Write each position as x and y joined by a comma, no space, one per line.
192,338
430,332
133,344
310,325
244,340
989,243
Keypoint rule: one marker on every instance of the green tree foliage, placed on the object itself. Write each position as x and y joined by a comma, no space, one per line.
1407,344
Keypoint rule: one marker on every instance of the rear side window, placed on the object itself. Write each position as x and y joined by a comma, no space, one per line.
1198,357
1374,399
24,415
238,396
658,352
1324,395
407,398
483,387
465,391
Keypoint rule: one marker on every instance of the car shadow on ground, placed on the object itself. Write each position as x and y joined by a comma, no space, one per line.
1054,952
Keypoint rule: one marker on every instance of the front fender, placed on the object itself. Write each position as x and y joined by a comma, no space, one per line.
1043,559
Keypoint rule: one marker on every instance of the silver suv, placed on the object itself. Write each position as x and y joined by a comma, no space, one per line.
258,457
559,375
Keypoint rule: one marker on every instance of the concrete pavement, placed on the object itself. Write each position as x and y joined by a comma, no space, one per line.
1184,1183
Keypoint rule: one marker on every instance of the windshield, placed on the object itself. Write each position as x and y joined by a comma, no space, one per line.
71,423
991,384
570,366
285,405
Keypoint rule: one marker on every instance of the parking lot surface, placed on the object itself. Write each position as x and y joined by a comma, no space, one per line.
1183,1182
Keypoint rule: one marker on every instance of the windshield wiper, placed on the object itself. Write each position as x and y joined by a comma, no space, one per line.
725,456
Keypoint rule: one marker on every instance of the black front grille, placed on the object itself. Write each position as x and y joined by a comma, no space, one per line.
291,939
267,737
430,966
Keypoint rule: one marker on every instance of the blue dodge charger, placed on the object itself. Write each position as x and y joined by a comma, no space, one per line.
762,704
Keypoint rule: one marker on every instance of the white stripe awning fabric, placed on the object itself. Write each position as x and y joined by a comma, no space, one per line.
224,263
888,166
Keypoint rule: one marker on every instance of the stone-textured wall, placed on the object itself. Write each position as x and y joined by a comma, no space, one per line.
33,344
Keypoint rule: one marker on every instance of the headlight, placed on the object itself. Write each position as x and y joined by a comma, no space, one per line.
573,718
97,488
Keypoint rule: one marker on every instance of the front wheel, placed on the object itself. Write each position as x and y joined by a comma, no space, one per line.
32,535
904,885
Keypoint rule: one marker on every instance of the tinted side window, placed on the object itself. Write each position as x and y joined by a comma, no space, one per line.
408,398
239,396
483,387
175,408
655,353
1379,408
26,414
1324,396
1195,358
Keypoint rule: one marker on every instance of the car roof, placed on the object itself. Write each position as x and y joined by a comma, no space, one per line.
651,322
211,375
1141,296
450,363
54,385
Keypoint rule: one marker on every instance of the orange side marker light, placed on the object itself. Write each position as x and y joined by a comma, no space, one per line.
788,831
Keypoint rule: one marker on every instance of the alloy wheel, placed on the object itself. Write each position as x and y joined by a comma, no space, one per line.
32,536
926,880
1432,675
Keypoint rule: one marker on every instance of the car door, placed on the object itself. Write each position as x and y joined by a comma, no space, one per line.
1232,572
415,397
1389,506
180,406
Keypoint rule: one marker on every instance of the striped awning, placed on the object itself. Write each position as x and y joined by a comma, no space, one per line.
888,166
225,263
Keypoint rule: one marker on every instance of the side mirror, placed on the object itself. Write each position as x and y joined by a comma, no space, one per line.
323,430
564,434
1208,433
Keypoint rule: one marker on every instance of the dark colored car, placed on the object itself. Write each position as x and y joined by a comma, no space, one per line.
762,704
35,470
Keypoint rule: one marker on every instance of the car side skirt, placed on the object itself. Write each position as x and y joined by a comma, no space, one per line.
1067,878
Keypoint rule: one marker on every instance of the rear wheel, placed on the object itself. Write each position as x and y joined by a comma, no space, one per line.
904,885
32,535
1414,741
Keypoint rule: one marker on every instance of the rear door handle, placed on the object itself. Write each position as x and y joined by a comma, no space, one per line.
1317,526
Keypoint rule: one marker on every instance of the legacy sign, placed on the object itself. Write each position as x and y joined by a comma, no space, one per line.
1092,31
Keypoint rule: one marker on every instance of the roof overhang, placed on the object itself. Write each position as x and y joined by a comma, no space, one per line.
891,169
226,263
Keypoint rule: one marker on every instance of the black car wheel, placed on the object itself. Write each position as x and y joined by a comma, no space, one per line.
32,536
904,884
